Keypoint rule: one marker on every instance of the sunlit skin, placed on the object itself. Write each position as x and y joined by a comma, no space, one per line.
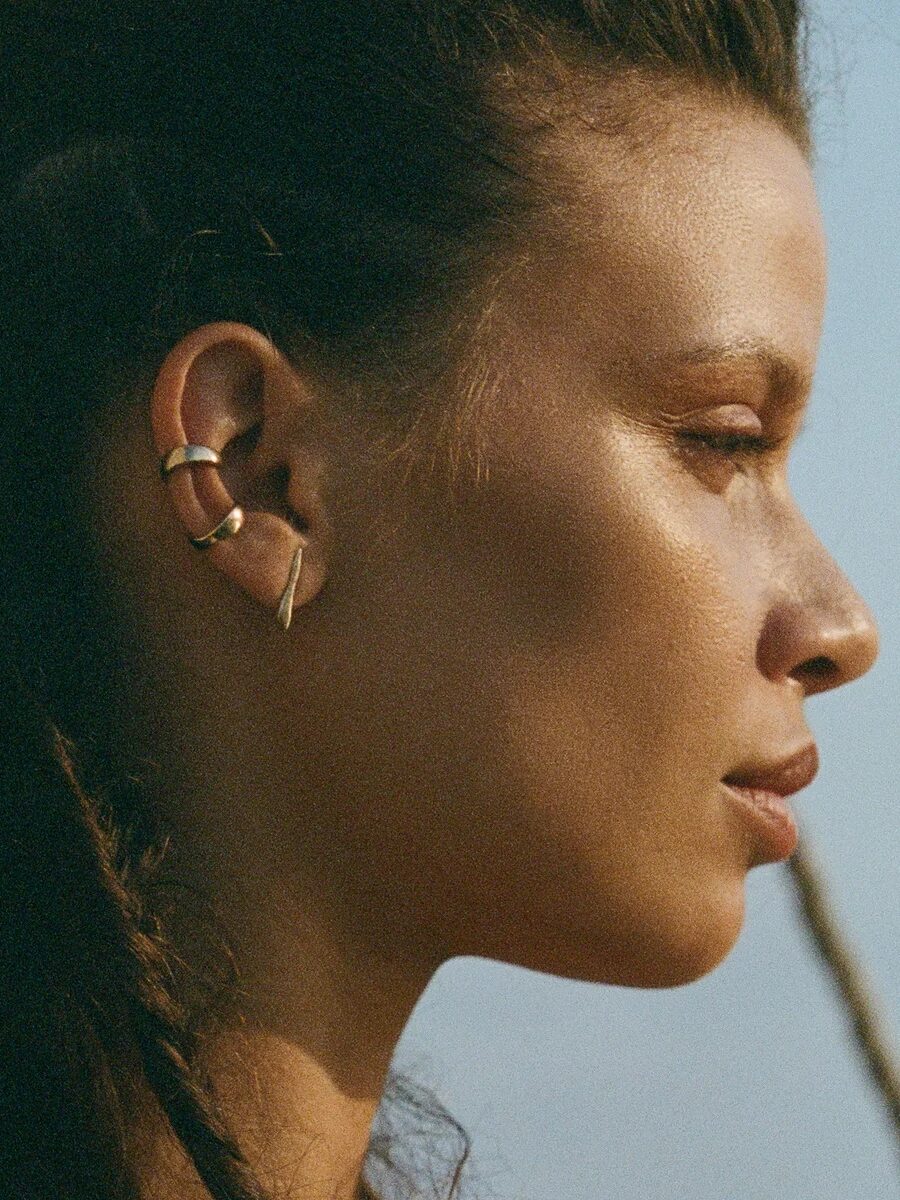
497,726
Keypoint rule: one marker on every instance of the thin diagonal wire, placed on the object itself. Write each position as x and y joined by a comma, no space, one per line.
847,975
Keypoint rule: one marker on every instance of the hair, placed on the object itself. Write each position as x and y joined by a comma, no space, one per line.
348,177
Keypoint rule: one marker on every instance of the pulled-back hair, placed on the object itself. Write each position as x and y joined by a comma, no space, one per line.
347,177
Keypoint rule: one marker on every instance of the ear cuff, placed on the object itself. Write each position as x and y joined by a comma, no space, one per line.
183,456
186,456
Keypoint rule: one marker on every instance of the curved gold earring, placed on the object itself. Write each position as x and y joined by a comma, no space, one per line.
186,456
286,603
227,527
183,456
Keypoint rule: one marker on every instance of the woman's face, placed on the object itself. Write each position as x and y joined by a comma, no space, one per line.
524,706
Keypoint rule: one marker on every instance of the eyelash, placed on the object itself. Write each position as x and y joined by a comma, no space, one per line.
736,445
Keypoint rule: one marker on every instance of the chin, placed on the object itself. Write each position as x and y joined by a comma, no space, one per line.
662,952
690,948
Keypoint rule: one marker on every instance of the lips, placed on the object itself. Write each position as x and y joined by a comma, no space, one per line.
784,778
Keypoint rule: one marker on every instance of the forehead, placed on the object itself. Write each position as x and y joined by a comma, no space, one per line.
705,231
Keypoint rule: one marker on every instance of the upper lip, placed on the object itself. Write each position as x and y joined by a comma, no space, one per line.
785,777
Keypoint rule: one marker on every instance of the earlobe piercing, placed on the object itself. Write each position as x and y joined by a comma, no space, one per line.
286,604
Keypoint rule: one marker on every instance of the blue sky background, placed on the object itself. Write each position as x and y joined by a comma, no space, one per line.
746,1084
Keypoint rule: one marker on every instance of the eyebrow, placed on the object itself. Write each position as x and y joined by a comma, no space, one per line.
787,378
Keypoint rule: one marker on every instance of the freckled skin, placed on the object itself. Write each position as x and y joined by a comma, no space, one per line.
561,666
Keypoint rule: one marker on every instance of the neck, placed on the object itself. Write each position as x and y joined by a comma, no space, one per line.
299,1054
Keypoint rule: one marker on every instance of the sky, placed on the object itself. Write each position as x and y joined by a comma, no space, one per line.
745,1085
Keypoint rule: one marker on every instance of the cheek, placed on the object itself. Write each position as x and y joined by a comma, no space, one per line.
604,550
623,592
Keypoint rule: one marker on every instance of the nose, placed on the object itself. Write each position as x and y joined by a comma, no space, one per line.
822,638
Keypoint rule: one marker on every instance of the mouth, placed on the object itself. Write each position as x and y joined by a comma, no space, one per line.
760,796
783,778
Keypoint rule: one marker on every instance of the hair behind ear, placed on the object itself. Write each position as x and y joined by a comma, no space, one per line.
86,1014
62,1015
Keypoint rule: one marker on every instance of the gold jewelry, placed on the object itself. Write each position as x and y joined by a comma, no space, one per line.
228,526
183,456
186,456
286,604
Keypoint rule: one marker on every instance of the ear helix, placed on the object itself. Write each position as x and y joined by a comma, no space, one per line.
187,455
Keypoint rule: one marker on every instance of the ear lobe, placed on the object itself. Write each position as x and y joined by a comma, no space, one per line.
226,386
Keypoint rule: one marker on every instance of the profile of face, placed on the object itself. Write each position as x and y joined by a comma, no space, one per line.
501,720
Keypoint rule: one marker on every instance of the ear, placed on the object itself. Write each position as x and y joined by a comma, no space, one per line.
226,386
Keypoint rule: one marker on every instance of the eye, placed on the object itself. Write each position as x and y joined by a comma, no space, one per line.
735,438
736,445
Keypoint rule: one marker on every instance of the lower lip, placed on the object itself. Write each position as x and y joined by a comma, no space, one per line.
770,818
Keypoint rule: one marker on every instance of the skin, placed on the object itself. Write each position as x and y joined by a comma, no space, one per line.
497,725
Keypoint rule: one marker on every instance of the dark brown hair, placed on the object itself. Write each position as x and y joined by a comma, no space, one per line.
344,176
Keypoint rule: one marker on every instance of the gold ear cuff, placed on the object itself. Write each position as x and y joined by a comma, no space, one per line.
186,456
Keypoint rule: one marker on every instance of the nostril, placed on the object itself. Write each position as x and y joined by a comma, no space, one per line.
818,674
821,665
816,647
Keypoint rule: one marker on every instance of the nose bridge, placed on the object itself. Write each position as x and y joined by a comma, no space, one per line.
818,629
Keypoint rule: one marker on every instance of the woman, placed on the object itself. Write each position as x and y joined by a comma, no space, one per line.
399,558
